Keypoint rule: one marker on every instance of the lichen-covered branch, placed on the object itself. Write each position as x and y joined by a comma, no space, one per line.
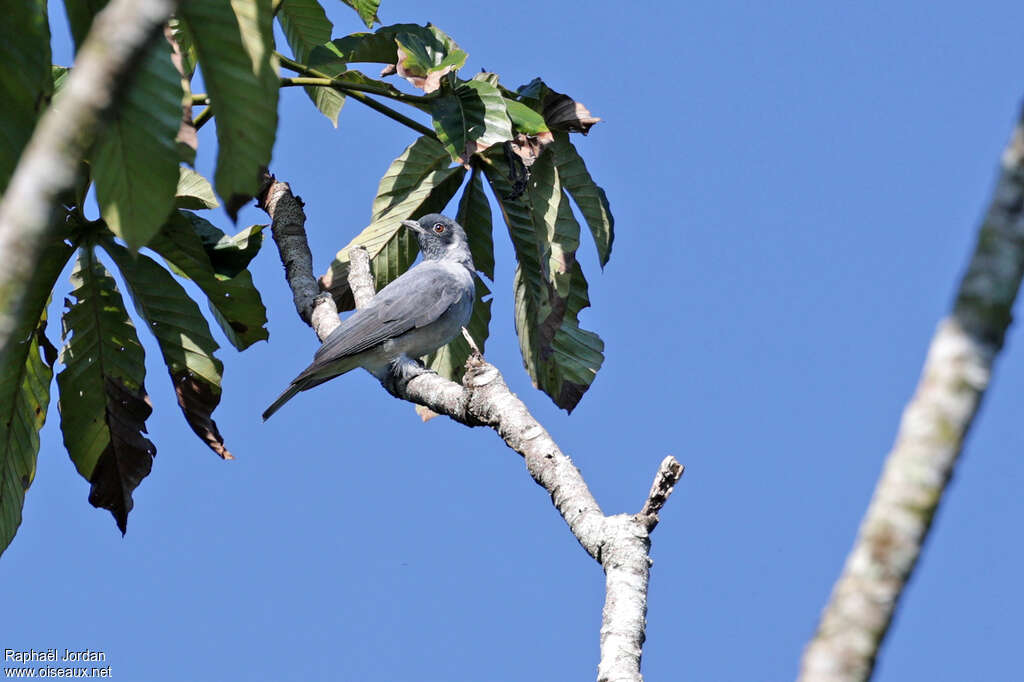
621,544
48,166
956,373
288,227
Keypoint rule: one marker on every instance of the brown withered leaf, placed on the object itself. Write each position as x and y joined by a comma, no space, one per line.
197,400
429,83
562,112
128,456
529,147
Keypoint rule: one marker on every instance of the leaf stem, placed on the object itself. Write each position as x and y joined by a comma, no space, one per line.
347,86
204,116
359,96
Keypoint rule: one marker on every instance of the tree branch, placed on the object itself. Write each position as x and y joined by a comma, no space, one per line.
119,36
288,227
931,436
621,543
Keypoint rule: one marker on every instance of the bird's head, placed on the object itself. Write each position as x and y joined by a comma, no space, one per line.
441,238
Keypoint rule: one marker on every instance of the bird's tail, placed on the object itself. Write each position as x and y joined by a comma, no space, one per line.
281,400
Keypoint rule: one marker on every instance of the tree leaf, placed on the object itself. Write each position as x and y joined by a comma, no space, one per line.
450,360
25,377
230,255
591,199
475,217
235,45
524,119
561,112
307,27
25,80
233,299
425,55
184,338
135,159
103,400
550,290
60,75
561,358
418,182
194,191
367,10
187,139
186,46
471,119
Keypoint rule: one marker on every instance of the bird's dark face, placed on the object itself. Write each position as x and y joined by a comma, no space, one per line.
439,236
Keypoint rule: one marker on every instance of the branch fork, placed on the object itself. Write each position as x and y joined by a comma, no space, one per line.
620,543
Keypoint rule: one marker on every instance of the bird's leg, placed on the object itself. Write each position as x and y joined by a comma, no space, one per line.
401,371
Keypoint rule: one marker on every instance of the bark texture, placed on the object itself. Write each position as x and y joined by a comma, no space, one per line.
117,39
930,438
620,543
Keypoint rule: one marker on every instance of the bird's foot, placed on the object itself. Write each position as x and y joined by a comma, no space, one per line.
401,371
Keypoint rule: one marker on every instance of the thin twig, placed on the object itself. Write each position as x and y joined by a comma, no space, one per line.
665,480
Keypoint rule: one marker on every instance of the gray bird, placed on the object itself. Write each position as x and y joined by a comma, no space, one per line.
414,315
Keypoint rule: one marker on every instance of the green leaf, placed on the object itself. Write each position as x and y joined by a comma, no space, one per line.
524,119
560,112
186,45
307,27
194,191
25,80
550,289
230,255
183,59
475,217
135,159
184,338
233,299
418,182
235,45
591,199
25,377
450,360
367,10
561,358
471,119
103,400
327,100
425,55
80,14
60,76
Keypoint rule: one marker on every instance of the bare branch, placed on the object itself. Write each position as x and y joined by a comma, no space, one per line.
288,227
620,543
931,436
665,480
119,36
360,279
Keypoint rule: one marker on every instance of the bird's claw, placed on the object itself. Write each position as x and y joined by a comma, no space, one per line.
401,372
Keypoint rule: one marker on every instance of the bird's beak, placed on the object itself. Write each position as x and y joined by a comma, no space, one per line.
412,225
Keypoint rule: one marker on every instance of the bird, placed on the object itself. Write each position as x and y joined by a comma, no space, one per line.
414,315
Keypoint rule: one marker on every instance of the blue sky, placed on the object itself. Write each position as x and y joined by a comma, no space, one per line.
796,187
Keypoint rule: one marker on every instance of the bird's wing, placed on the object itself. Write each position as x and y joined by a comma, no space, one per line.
417,298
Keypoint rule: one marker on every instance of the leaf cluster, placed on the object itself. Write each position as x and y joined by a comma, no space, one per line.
152,234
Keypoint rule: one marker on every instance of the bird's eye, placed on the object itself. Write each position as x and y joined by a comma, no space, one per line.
439,228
